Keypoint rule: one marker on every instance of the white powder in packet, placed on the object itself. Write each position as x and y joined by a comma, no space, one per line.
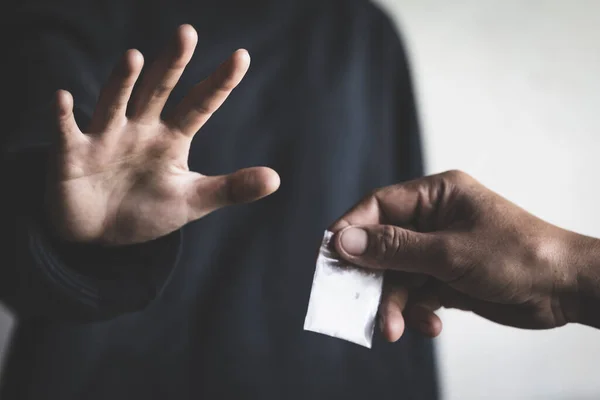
344,298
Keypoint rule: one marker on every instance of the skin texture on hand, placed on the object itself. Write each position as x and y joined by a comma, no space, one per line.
126,179
448,241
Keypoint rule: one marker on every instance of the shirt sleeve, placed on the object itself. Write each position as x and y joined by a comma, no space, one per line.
39,276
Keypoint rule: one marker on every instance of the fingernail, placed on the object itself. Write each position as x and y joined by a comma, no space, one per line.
354,241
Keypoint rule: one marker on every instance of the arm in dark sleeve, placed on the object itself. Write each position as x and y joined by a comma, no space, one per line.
40,276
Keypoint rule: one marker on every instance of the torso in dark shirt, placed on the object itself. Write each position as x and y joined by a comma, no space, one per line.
327,103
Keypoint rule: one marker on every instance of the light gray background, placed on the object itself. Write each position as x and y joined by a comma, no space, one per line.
509,91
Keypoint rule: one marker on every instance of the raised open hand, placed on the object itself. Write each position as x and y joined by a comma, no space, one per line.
126,179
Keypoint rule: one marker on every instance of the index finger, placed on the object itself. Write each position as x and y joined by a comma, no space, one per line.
399,204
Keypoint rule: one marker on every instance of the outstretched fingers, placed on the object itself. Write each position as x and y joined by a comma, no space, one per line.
163,75
207,96
114,97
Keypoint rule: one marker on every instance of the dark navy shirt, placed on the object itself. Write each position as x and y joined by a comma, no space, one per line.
215,310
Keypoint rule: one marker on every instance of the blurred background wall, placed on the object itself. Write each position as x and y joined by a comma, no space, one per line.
509,91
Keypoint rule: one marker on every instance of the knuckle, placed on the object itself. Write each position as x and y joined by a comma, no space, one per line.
178,62
369,200
377,193
220,83
389,241
457,176
163,89
227,85
204,108
223,80
372,194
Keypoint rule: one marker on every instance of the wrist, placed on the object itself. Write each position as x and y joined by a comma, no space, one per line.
582,260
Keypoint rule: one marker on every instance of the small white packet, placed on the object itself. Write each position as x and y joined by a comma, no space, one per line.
344,298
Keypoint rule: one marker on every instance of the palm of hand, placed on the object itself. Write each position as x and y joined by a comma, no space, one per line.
126,180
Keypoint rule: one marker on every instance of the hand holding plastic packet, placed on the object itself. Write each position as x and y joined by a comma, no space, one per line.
344,298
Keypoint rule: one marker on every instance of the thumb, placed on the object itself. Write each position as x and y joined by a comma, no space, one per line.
209,193
391,247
